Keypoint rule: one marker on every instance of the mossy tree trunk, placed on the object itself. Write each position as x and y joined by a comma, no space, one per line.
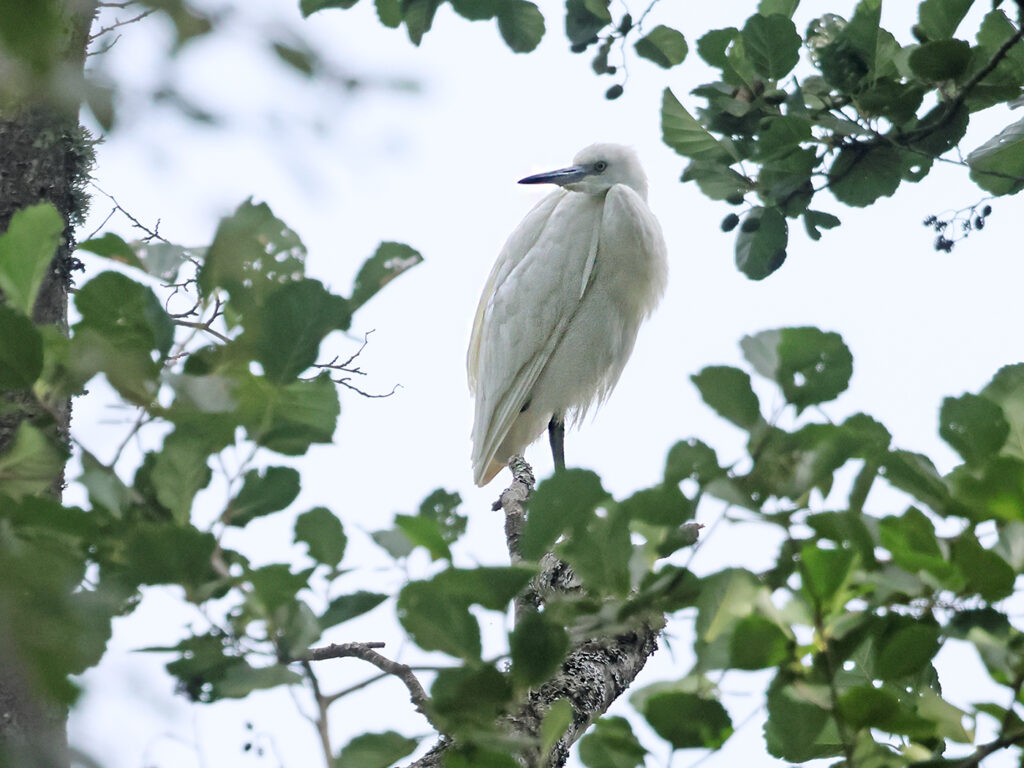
45,156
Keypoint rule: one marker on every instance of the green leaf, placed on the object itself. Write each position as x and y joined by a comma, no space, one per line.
275,586
346,607
905,646
610,743
375,750
26,250
860,175
180,471
997,166
112,247
687,720
681,131
286,332
663,45
663,505
974,426
21,350
716,181
824,572
31,463
289,419
692,458
562,502
558,718
781,135
167,553
312,6
389,12
469,698
713,46
938,19
761,245
987,574
521,25
419,17
940,60
815,220
785,7
772,45
584,19
538,647
915,474
476,10
727,390
241,679
252,253
757,643
1006,389
799,728
323,534
424,532
814,366
725,599
262,493
388,262
913,544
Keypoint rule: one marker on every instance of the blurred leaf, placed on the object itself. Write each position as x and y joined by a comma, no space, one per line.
21,350
860,175
1006,389
661,505
815,220
713,45
262,493
915,474
252,253
521,25
312,6
784,7
914,546
995,491
470,698
33,33
798,729
997,166
31,463
600,552
610,743
772,45
727,390
104,486
345,607
558,718
388,262
442,507
538,647
687,720
986,572
285,332
241,679
757,643
163,260
112,247
663,45
824,571
375,750
814,366
761,244
26,250
691,458
419,17
389,12
974,426
683,133
424,532
274,585
905,646
940,60
584,19
394,542
168,553
288,419
939,19
476,10
181,469
299,57
563,501
323,534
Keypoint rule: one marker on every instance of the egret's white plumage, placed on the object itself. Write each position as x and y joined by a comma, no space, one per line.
560,312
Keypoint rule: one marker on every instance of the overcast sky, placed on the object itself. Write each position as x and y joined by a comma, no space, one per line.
436,168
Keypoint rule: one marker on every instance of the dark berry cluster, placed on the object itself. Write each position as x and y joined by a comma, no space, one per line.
954,227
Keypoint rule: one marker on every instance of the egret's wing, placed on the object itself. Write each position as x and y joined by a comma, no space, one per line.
527,310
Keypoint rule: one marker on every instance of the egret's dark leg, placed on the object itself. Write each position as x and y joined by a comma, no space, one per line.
556,434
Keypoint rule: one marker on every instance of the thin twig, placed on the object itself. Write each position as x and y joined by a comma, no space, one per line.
365,651
203,327
322,704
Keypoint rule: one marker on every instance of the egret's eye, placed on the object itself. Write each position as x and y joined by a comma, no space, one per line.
600,166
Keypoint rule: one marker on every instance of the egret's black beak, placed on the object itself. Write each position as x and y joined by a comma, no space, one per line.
561,177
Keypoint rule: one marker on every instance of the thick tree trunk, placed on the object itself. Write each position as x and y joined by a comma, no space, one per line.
44,156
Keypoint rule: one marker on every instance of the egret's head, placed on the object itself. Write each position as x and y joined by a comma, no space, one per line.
596,169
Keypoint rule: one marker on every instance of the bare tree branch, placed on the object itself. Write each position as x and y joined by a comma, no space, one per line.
365,651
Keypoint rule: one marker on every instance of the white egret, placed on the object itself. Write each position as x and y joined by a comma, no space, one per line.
559,315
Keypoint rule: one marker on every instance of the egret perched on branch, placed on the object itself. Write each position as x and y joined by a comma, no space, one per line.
560,312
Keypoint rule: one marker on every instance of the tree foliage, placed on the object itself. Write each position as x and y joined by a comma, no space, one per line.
861,597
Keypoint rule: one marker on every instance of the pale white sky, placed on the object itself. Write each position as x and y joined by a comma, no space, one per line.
437,169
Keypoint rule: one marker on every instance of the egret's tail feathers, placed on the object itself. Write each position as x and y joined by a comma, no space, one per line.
483,475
